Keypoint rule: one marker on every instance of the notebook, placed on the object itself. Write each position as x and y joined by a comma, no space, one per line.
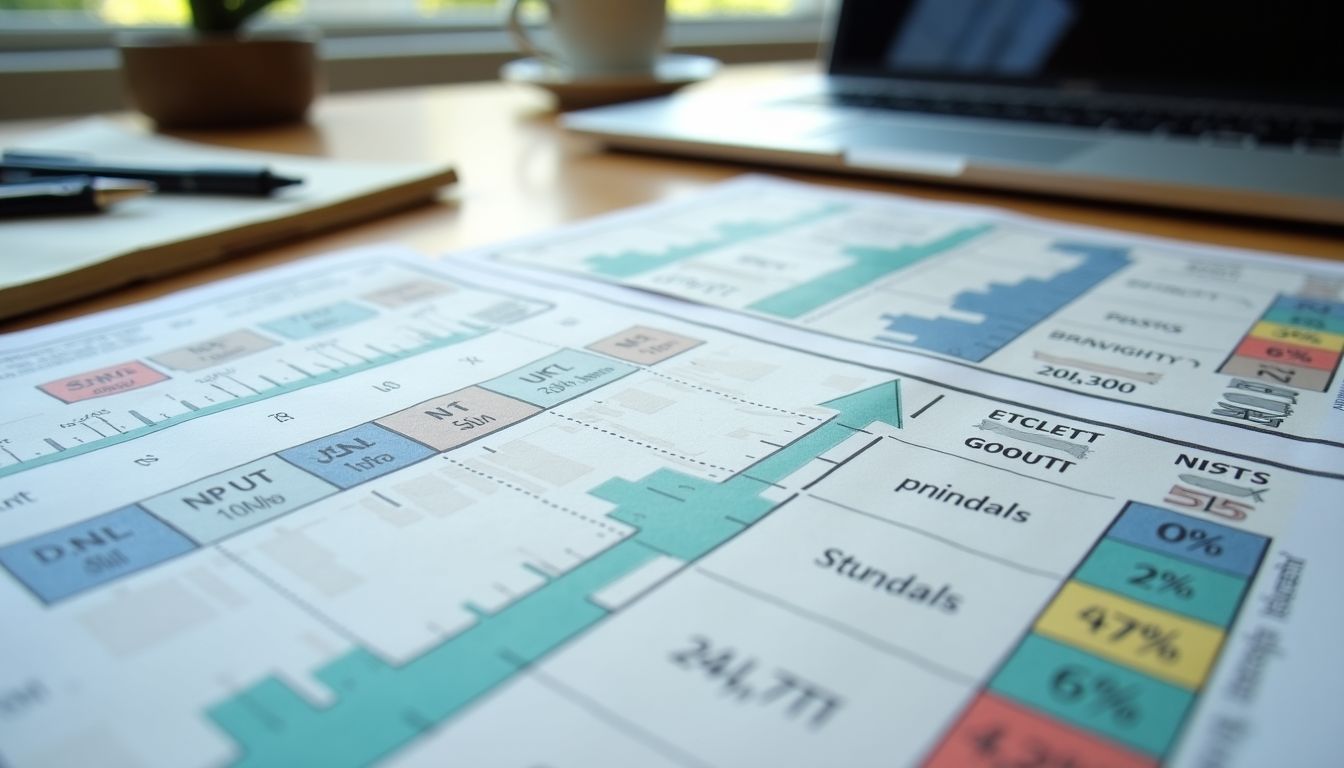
1223,106
48,260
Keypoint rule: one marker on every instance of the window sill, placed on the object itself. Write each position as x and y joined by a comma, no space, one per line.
40,83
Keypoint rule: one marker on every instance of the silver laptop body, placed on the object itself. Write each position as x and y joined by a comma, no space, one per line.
1233,106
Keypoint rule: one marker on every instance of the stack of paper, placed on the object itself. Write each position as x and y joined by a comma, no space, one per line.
52,259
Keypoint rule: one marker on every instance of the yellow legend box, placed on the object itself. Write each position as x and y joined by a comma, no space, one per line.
1307,337
1148,639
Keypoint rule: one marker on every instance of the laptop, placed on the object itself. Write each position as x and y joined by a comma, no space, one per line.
1221,105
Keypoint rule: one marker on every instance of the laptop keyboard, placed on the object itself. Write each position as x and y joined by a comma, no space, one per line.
1230,128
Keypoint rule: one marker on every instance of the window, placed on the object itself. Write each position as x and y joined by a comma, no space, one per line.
37,14
58,57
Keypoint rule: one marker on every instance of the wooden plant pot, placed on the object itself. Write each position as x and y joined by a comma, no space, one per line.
183,81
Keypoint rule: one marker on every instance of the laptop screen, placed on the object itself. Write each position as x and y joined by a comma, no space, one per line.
1279,50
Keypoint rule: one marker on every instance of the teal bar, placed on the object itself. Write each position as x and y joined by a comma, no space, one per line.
1303,319
1123,705
615,266
380,707
869,265
1178,586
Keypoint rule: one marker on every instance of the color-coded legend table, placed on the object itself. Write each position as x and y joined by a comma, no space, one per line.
1297,341
64,562
1109,671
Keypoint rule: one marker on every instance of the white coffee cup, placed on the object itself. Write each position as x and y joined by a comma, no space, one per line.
598,37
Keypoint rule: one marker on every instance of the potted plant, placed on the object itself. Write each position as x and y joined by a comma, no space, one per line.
218,76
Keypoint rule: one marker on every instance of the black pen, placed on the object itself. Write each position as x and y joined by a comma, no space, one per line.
256,181
68,194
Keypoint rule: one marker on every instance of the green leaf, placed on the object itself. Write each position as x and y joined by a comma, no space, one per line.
223,16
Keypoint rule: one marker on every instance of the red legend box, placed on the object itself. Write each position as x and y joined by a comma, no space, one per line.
112,380
994,733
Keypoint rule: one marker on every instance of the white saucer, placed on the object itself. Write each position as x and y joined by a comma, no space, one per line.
672,71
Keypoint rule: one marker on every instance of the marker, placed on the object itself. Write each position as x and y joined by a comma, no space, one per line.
253,181
69,194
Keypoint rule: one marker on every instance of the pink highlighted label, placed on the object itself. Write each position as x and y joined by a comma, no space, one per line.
112,380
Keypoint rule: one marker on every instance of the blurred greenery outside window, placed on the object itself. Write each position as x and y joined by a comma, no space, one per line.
37,14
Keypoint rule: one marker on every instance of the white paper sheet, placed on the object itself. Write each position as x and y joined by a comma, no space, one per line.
372,508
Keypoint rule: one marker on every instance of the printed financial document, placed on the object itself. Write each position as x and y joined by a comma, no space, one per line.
1111,316
378,509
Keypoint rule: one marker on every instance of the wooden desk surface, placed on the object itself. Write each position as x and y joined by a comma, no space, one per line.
521,174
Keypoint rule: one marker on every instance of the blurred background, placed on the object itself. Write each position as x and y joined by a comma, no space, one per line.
59,57
37,14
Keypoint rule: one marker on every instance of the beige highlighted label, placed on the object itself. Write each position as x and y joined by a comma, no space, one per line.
458,417
112,380
1297,376
407,292
217,351
644,345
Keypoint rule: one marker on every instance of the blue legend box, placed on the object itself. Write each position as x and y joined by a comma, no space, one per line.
1195,541
356,455
69,560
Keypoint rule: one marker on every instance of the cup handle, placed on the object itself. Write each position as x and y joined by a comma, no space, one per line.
521,38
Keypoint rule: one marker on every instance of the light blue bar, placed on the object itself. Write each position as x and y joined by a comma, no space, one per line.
356,455
559,377
69,560
319,320
226,503
1308,305
1189,538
